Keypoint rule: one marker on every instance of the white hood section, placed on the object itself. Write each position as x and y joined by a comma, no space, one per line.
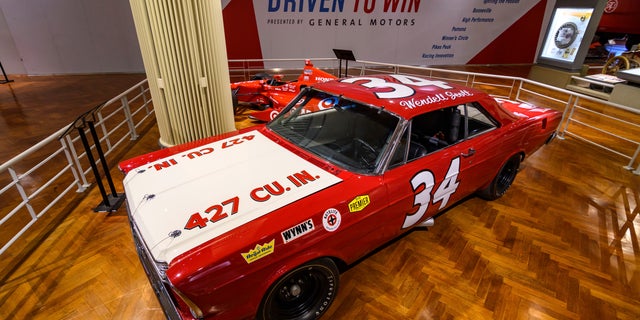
212,189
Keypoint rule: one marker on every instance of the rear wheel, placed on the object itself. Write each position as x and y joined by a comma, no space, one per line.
304,293
503,180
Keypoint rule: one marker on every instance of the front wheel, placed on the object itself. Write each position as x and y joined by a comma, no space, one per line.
503,180
304,293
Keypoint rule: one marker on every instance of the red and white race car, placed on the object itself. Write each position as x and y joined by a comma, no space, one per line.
270,94
354,163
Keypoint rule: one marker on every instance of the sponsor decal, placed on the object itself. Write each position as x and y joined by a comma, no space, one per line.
423,183
328,103
323,79
359,203
438,97
204,151
260,251
297,231
611,6
331,219
217,212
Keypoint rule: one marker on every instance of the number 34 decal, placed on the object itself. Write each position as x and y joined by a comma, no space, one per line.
393,90
423,183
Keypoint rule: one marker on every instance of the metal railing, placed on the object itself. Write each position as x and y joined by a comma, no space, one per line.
33,174
41,177
582,114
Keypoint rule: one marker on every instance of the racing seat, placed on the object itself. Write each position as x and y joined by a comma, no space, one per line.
434,143
416,150
454,129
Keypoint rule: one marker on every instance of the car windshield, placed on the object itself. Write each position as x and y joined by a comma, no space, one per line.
347,133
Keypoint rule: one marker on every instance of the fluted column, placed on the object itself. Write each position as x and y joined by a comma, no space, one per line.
185,58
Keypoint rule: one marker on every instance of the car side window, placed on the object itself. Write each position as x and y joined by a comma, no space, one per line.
439,129
478,121
400,153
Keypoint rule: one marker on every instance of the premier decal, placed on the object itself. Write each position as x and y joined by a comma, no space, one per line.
331,219
260,251
297,231
359,203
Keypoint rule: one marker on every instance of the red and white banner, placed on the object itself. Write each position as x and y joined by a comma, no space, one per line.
415,32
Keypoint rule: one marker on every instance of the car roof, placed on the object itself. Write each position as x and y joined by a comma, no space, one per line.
405,95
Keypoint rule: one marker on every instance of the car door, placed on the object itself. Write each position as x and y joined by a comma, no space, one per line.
422,187
459,158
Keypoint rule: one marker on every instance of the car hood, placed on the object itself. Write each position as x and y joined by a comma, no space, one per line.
188,198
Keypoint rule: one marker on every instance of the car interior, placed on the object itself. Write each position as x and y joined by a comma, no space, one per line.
438,129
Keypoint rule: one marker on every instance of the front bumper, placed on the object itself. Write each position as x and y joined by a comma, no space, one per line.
160,286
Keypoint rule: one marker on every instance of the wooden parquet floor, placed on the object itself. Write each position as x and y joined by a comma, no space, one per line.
561,244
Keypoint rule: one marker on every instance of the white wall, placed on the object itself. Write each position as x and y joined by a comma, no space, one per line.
40,37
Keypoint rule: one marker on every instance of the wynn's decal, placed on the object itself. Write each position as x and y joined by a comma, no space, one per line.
260,251
331,219
359,203
423,183
297,231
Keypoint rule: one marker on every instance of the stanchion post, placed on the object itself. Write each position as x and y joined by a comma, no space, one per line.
105,166
94,168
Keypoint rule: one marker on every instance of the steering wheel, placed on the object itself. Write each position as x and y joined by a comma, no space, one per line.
369,154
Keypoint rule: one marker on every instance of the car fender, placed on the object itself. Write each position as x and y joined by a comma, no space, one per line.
522,155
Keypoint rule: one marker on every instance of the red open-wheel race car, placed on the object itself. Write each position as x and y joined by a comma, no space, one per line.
269,94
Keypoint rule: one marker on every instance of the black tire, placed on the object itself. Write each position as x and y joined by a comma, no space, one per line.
502,181
304,293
